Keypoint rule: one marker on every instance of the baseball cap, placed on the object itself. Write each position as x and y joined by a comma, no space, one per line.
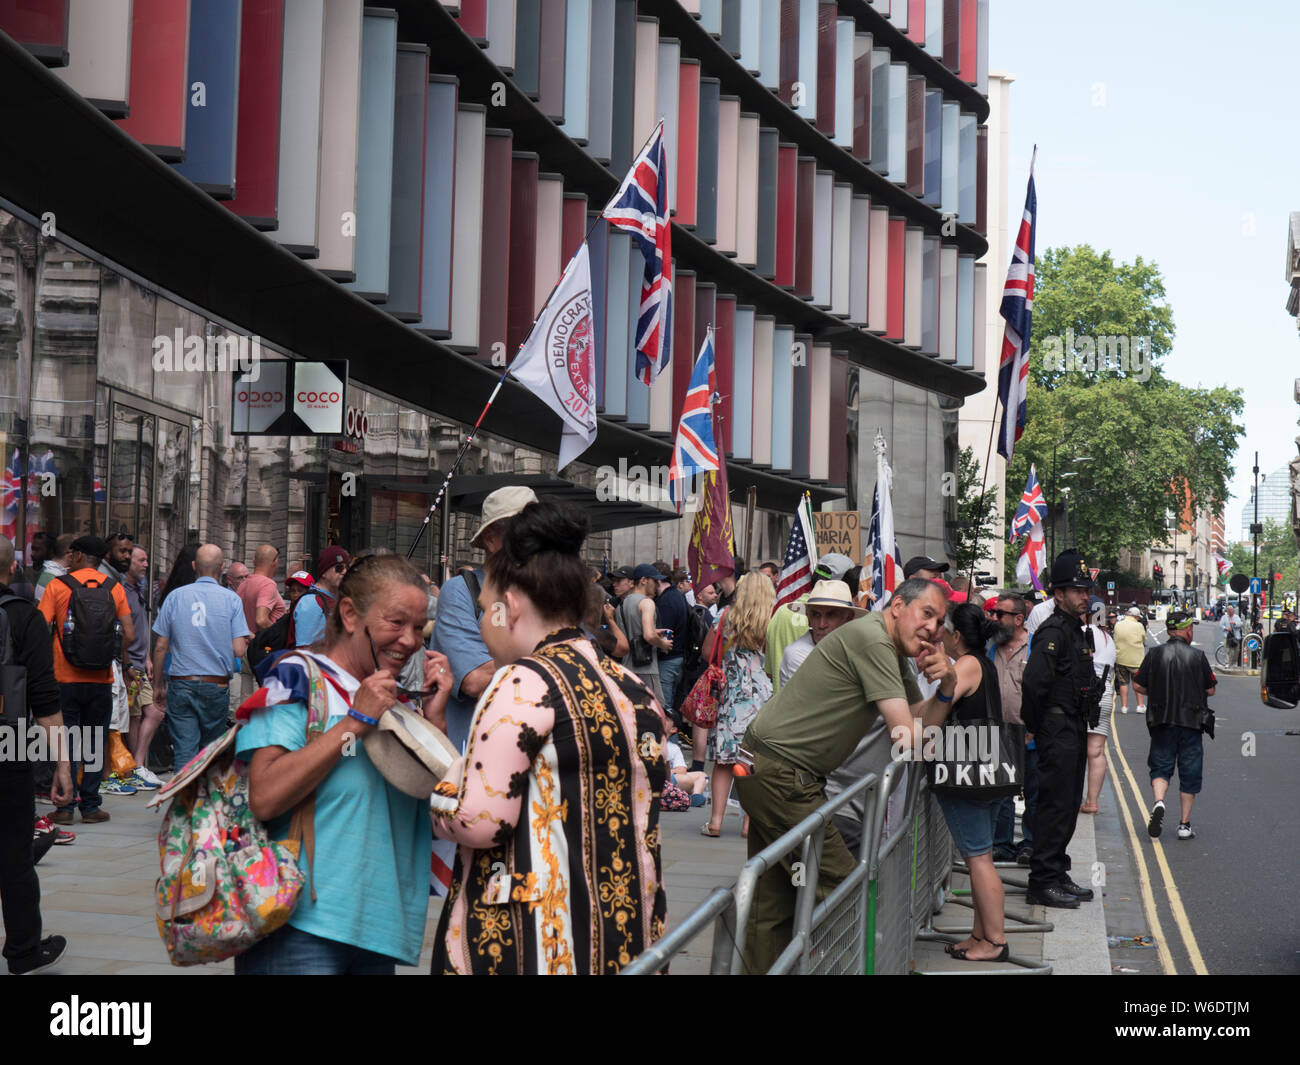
1133,612
301,577
623,573
503,503
920,562
90,545
329,558
646,570
832,566
1178,619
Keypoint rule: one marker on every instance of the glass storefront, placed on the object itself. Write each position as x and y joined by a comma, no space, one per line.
100,435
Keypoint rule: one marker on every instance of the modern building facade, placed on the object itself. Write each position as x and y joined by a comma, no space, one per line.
398,188
1274,501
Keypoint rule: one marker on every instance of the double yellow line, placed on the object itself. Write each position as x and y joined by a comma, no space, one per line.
1183,925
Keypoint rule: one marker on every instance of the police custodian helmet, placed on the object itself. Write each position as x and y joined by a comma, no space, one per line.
1070,570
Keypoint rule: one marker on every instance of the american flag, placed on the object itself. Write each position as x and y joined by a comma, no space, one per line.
1032,509
696,449
641,208
1018,310
797,568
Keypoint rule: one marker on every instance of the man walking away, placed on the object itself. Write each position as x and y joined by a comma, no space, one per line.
92,629
671,613
202,625
25,645
262,604
637,619
1178,680
1059,700
1130,647
57,565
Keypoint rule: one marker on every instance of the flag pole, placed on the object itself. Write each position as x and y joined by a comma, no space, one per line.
988,457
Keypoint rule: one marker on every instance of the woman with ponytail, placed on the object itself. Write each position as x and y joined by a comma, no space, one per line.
972,821
555,801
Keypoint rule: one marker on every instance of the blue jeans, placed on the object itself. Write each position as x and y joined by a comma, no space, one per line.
87,708
1172,744
291,952
196,715
670,675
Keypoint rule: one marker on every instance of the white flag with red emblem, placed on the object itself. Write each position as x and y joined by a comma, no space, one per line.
557,362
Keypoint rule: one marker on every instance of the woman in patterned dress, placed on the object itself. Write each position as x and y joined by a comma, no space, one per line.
555,802
747,687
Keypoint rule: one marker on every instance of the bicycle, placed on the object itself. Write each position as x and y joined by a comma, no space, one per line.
1228,656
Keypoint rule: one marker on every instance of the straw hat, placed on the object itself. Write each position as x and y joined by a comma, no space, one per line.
411,754
829,593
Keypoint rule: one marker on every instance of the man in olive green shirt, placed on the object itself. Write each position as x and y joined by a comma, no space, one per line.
857,673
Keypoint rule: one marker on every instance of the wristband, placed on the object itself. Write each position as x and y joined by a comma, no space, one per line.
941,697
362,717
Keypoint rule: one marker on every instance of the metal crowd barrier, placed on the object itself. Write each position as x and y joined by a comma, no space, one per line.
869,922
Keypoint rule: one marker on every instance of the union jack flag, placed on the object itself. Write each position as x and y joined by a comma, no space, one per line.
1032,509
696,449
11,495
641,208
1018,310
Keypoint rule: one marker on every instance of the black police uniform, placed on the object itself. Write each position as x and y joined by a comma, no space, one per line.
1060,700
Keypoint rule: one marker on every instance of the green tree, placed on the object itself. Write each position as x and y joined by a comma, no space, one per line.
1149,445
1277,549
976,512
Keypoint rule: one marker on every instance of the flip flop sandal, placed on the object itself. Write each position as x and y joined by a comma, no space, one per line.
704,831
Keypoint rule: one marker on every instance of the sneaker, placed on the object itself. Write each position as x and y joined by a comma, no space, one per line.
63,837
43,799
95,817
1157,820
42,840
1185,831
151,781
140,782
115,785
1123,709
47,955
697,800
1141,709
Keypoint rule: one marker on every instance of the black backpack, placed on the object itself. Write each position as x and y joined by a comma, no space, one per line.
95,641
278,637
13,677
697,631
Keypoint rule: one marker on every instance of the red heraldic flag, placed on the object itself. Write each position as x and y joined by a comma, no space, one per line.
557,362
712,551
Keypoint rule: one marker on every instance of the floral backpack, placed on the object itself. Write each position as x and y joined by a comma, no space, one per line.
225,883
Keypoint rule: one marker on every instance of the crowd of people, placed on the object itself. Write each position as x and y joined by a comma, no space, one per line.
569,701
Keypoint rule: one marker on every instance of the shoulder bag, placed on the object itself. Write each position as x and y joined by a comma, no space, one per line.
958,770
700,707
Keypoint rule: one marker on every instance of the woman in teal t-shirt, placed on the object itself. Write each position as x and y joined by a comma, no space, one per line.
370,870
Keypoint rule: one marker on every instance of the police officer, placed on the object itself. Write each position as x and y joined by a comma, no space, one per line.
1060,699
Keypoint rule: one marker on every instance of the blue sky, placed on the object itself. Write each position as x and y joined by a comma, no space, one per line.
1167,129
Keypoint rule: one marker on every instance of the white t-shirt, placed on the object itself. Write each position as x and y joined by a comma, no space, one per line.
794,656
673,755
1039,614
1103,650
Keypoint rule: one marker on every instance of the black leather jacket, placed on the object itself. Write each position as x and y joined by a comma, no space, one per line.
1176,676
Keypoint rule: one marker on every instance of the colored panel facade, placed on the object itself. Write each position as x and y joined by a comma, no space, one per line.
783,341
550,223
819,440
764,340
948,303
577,68
440,213
574,228
862,97
822,251
916,136
913,257
747,183
501,33
645,110
932,187
667,94
99,53
528,35
826,55
683,339
787,189
467,228
728,173
210,125
301,88
966,311
40,26
897,278
257,166
801,406
805,214
930,296
405,246
688,140
340,133
768,168
844,83
623,146
724,340
706,204
159,89
494,308
841,247
624,395
837,421
551,76
375,158
742,409
859,248
523,248
967,169
878,271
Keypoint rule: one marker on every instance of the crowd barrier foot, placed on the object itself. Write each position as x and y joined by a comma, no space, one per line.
1025,923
